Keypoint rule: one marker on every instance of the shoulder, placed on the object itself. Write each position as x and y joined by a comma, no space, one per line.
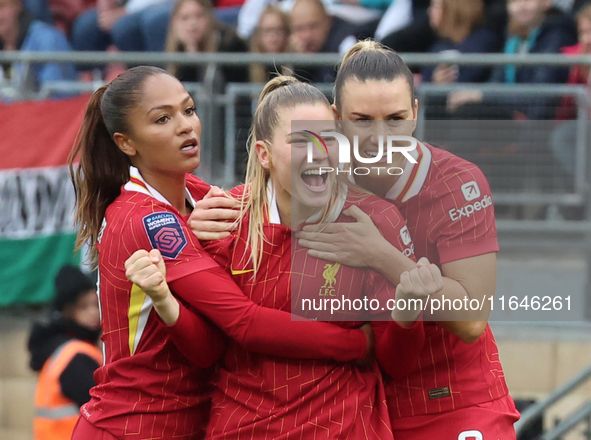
449,172
381,211
238,191
133,216
557,32
134,204
229,39
45,35
197,187
482,38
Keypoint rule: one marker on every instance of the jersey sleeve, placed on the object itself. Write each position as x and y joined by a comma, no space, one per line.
393,227
221,251
156,225
398,348
205,344
265,330
197,187
467,220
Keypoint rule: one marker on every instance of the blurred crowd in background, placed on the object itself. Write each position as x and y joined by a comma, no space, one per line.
303,26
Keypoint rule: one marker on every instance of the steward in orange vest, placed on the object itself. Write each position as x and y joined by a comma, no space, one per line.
64,351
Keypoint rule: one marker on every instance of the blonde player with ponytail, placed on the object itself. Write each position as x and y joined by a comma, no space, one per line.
258,396
457,388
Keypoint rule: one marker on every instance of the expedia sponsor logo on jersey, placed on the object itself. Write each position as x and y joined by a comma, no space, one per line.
468,210
406,240
470,190
405,236
409,250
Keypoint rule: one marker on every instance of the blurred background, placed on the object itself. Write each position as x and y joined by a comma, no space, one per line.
503,83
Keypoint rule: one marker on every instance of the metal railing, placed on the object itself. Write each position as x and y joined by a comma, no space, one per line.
533,412
576,197
216,102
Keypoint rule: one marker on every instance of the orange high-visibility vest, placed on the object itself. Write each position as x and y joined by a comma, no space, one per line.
56,415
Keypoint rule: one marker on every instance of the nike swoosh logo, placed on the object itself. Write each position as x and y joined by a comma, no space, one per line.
240,272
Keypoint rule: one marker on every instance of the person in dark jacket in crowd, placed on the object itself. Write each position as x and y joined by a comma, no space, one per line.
19,31
533,28
459,25
420,36
64,352
313,30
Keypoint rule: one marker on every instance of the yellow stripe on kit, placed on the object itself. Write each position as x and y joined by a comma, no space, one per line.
136,301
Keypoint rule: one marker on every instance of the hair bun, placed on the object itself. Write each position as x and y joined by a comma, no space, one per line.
277,83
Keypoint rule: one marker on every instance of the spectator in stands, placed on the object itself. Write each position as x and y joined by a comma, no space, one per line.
313,30
419,35
64,352
18,31
563,139
580,74
458,24
270,36
65,12
350,11
227,11
131,25
532,29
193,28
40,10
59,13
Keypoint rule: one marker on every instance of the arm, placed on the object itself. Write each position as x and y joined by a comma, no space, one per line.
214,293
77,378
361,244
205,344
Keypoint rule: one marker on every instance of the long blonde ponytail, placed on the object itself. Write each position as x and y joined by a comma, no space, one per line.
280,92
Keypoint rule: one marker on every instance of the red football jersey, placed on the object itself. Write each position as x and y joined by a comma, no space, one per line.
259,396
447,204
146,389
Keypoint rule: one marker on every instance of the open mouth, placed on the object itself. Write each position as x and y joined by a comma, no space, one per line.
315,179
374,154
189,144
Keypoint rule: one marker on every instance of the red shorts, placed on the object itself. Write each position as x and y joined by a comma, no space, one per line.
84,430
487,421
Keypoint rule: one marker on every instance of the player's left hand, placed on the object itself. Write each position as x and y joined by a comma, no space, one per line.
346,243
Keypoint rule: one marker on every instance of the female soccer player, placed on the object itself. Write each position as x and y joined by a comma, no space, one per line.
457,389
260,396
139,138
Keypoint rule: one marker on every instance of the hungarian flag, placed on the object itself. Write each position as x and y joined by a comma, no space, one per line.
36,196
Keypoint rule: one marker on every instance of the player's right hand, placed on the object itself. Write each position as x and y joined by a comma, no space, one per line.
148,271
213,217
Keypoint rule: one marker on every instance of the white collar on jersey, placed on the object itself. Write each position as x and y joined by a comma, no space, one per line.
335,210
149,190
419,178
